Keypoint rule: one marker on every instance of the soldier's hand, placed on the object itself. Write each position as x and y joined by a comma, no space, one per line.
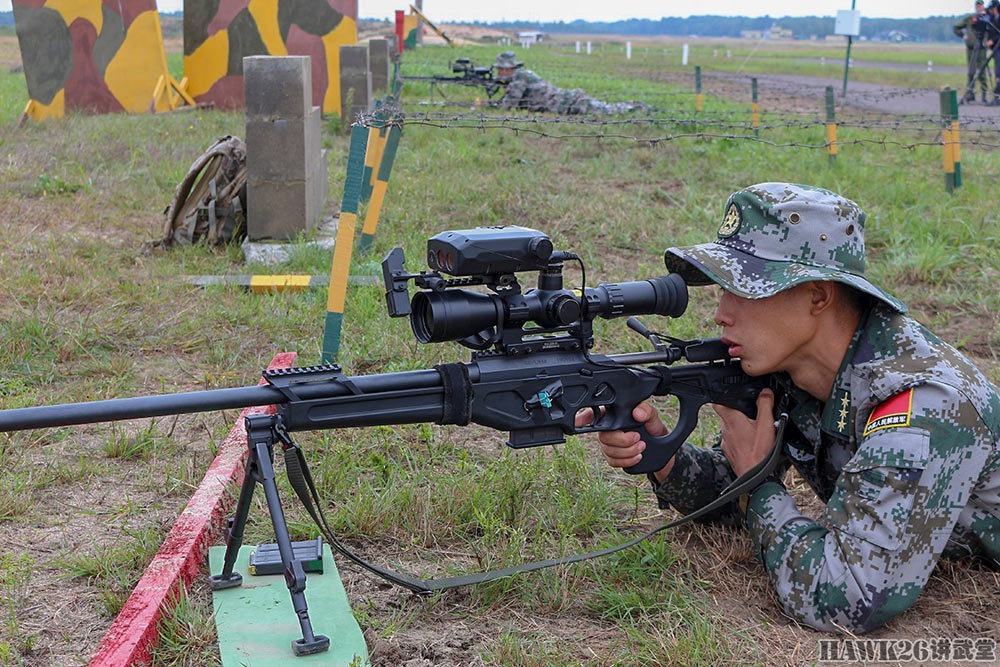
623,449
746,442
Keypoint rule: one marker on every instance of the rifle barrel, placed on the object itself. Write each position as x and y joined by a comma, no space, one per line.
117,409
371,386
69,414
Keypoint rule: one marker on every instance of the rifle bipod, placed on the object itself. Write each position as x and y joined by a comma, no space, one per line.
262,434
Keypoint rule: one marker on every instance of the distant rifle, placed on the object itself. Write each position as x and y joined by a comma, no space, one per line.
532,371
466,74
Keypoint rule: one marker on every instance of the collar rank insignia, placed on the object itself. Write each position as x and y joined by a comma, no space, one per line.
731,223
891,413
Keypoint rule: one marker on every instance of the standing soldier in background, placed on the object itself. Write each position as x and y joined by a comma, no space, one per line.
972,28
526,90
993,46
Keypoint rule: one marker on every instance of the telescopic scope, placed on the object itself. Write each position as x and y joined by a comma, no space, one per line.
454,314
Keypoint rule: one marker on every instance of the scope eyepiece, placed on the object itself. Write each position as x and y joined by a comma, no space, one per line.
665,295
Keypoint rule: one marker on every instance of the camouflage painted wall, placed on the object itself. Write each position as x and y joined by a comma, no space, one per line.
218,34
91,56
411,24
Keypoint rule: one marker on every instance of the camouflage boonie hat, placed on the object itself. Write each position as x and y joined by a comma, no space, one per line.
507,60
777,235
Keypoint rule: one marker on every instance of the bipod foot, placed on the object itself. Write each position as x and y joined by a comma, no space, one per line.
220,582
318,644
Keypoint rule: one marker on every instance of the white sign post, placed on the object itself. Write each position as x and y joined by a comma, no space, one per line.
848,23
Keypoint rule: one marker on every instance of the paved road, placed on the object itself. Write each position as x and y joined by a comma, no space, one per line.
895,100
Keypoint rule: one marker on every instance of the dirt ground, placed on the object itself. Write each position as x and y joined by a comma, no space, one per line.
958,602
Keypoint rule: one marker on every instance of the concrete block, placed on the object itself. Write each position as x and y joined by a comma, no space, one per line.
379,63
355,81
314,132
317,190
287,171
277,86
276,149
276,209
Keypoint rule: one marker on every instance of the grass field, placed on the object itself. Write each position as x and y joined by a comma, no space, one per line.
91,309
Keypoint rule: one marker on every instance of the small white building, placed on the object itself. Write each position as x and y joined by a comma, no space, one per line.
532,37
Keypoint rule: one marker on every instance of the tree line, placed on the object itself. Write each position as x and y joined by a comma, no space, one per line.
930,29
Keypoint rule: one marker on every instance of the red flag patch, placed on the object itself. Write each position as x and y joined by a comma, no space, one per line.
892,413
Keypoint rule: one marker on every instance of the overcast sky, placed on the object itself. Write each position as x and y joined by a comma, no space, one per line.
608,10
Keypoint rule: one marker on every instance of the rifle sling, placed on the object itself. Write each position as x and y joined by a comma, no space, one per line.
457,394
301,481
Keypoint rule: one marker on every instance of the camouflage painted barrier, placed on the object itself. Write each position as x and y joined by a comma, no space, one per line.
92,56
218,34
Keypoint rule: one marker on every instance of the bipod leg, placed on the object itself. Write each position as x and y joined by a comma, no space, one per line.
236,525
262,434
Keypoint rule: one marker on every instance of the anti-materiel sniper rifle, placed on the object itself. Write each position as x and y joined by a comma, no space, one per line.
532,371
466,74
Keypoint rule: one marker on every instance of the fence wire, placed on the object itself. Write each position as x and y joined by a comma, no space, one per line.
904,133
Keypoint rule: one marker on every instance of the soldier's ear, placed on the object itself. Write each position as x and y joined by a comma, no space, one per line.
822,295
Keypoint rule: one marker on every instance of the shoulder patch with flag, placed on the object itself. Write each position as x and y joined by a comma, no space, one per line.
894,412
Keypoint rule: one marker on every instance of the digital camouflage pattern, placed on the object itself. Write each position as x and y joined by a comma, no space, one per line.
905,453
776,235
527,90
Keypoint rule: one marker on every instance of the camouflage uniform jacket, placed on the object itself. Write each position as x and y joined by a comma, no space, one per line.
529,91
905,456
963,28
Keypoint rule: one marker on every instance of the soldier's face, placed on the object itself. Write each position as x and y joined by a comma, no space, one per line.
505,73
768,335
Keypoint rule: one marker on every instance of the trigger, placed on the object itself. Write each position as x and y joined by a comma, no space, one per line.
597,413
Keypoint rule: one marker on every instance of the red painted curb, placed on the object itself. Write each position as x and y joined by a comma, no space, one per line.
131,637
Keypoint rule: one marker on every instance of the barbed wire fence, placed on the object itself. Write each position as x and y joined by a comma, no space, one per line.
672,120
375,135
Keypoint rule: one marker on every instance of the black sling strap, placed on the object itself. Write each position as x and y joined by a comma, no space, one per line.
301,481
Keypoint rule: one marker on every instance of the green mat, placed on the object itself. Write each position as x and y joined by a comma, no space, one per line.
256,622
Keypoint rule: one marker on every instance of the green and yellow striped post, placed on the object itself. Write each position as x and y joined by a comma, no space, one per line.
344,244
754,109
951,140
831,127
698,98
381,185
377,134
